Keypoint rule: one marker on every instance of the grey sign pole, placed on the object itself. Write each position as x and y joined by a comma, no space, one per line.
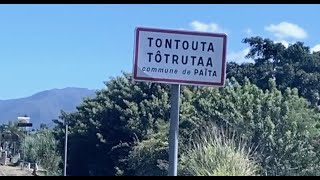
174,129
24,148
65,149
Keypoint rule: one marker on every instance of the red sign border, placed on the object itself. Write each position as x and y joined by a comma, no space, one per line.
176,81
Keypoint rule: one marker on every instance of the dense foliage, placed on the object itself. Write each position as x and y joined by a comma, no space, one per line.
294,67
270,106
124,129
41,148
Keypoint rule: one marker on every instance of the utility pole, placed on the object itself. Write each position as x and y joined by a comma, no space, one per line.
25,145
65,148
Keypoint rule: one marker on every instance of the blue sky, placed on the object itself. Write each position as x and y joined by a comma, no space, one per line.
55,46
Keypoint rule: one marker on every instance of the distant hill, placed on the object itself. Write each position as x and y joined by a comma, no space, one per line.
43,106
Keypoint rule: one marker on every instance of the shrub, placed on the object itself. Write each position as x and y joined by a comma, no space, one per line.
215,153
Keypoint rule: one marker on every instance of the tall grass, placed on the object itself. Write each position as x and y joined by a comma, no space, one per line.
216,153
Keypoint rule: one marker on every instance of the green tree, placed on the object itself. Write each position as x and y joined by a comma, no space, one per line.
12,135
294,67
124,129
149,157
41,148
281,126
43,126
103,129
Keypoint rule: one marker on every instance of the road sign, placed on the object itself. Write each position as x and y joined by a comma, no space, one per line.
24,121
179,57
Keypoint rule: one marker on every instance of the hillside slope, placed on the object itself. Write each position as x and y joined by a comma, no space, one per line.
43,106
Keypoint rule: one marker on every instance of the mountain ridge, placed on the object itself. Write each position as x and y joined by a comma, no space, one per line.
53,89
44,106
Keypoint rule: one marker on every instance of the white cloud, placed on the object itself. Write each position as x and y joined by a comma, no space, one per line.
239,57
287,30
248,31
316,48
284,42
210,27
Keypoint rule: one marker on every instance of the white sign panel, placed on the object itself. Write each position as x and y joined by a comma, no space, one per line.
179,57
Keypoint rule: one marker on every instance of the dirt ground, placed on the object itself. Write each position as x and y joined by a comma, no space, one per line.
14,171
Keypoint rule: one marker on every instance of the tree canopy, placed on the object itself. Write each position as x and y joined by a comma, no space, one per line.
269,104
294,67
124,129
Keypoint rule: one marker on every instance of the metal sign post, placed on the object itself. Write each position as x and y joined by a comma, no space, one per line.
65,149
174,129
